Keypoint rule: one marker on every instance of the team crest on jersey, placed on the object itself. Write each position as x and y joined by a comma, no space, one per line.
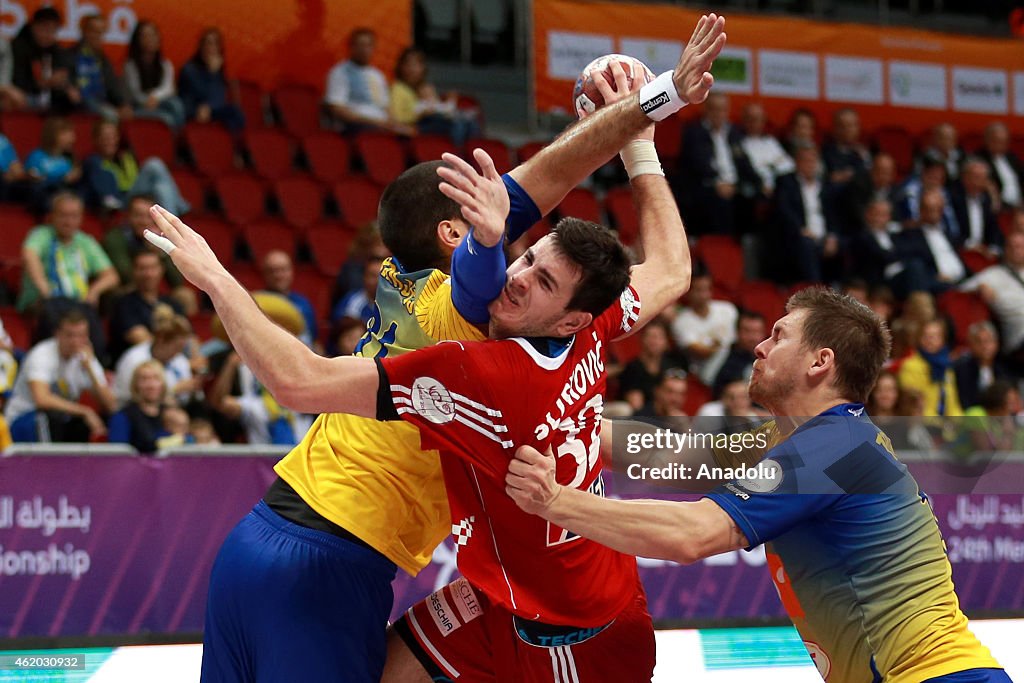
820,658
432,400
630,309
769,478
463,531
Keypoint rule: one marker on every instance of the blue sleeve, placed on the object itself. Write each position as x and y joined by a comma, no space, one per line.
523,213
8,155
120,428
763,517
35,160
478,276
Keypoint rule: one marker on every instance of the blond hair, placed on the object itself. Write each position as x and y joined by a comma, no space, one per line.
151,364
169,325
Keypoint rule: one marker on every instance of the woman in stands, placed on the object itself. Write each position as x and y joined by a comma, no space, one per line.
415,102
52,167
141,422
203,85
149,78
113,176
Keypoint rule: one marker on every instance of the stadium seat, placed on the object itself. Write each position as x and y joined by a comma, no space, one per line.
301,201
17,327
975,261
529,149
1005,219
1017,145
357,198
248,274
431,147
92,225
382,155
83,124
697,394
619,205
242,197
668,138
201,324
270,151
580,203
897,142
316,286
150,138
16,223
253,103
328,154
965,309
761,296
723,258
496,149
298,109
24,130
192,188
329,244
211,148
971,141
221,238
268,235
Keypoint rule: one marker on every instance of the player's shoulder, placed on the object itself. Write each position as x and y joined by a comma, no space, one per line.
621,316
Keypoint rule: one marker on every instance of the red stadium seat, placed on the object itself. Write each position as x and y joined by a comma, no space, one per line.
328,154
270,151
761,296
580,203
16,326
357,199
1017,145
192,188
619,205
897,142
220,236
83,124
329,244
24,130
301,201
16,223
496,149
1005,219
150,138
248,274
976,262
201,324
431,147
298,108
723,258
697,394
668,137
253,104
316,287
268,235
242,197
965,309
971,141
211,147
796,287
529,149
92,225
382,155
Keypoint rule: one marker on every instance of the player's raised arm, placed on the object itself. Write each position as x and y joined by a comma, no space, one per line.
589,144
297,377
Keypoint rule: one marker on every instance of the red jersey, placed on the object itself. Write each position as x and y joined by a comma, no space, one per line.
482,400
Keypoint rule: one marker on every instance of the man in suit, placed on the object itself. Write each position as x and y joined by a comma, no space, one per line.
879,184
805,210
877,253
846,158
973,206
1006,167
926,244
975,371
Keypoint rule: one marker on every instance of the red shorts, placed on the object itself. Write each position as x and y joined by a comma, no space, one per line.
458,635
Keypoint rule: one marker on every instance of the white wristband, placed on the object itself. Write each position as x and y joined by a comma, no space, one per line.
641,158
659,99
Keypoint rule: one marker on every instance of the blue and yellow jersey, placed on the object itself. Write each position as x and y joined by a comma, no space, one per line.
370,477
856,554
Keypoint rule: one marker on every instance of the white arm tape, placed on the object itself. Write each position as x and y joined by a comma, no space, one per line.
659,98
160,241
641,158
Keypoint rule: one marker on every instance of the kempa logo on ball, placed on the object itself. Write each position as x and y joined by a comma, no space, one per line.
431,399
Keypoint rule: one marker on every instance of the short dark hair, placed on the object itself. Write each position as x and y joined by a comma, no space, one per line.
73,316
995,395
45,15
409,211
361,31
601,258
858,337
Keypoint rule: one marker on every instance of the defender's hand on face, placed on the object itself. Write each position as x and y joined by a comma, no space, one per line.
187,248
482,196
530,481
692,74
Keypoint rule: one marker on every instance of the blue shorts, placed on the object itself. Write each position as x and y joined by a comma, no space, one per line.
287,603
973,676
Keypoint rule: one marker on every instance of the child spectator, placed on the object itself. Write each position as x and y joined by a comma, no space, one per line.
203,85
52,165
415,102
149,78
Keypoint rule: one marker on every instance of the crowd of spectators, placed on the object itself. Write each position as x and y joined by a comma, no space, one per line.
122,349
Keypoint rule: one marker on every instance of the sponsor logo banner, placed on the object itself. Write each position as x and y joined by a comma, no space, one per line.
569,52
734,70
985,91
915,84
782,73
853,79
1018,92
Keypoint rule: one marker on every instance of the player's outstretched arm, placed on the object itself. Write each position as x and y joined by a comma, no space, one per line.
549,175
297,377
681,532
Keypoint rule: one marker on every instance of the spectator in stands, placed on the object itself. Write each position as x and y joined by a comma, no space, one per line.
93,74
944,147
149,78
1002,288
204,87
882,301
278,276
52,166
764,151
972,202
112,175
131,321
45,404
345,336
925,246
877,255
141,421
845,156
929,370
931,177
357,92
1006,168
734,402
202,433
415,102
714,168
641,375
879,184
12,172
10,96
367,245
802,131
8,364
738,364
882,403
805,206
360,303
980,367
669,397
42,69
171,334
704,329
991,422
